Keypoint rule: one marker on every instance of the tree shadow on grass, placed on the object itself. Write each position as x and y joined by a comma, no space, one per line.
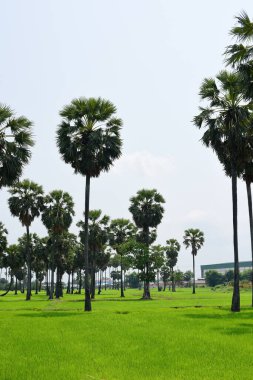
241,329
51,314
222,316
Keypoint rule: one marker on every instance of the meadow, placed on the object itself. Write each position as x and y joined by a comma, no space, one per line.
173,336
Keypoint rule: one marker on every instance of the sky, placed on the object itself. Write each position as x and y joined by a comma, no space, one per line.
149,58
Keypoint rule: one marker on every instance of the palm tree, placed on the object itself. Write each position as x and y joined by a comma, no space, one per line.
26,203
146,208
57,218
240,57
15,143
88,139
193,238
121,231
227,120
172,251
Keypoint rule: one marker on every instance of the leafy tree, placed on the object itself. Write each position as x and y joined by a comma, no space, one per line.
26,202
15,262
147,210
98,230
157,252
179,277
229,275
227,123
88,139
193,238
214,278
3,238
132,280
165,275
188,276
172,250
15,143
121,231
57,217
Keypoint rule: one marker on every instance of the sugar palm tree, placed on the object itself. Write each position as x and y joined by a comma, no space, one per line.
227,123
88,139
121,231
193,238
147,210
240,54
57,218
172,251
240,57
26,202
15,143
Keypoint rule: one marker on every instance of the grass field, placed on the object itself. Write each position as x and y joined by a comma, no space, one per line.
173,336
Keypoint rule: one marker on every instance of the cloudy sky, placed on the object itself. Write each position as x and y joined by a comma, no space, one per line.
148,58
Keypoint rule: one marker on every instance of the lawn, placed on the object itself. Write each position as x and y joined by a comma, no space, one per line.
173,336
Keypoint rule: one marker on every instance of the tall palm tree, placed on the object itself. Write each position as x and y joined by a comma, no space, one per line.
240,57
121,231
240,54
226,119
193,238
57,218
26,202
15,143
147,210
172,251
88,139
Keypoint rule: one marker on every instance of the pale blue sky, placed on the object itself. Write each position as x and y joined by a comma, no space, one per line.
148,58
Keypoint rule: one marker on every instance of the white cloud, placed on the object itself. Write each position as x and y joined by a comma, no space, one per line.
195,215
145,164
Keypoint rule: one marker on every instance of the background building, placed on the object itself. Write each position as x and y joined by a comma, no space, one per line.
224,267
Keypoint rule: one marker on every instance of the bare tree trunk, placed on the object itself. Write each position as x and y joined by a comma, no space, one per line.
72,282
121,279
87,301
193,266
251,233
28,255
16,286
236,291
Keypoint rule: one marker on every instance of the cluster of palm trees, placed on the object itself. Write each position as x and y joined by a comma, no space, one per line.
228,120
88,138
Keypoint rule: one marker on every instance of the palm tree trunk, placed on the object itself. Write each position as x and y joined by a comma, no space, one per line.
121,279
236,291
68,287
100,282
51,294
87,301
173,280
251,233
36,284
16,285
28,255
105,278
193,266
72,282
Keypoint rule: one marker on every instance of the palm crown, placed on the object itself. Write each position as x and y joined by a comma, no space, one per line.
27,201
88,137
194,238
57,216
15,143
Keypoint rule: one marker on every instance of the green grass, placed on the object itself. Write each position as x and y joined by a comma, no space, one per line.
174,336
